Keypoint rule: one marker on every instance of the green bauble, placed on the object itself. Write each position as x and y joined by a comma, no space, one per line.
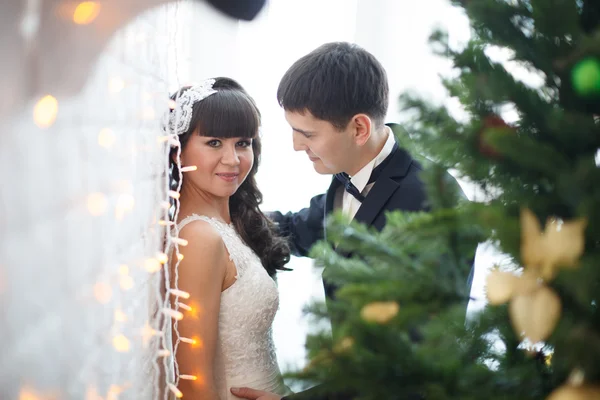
585,77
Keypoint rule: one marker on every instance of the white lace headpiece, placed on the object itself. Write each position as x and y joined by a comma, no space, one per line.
181,116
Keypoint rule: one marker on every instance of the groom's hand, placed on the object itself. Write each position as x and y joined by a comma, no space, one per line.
253,394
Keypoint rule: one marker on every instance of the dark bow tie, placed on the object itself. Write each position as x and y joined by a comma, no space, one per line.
345,179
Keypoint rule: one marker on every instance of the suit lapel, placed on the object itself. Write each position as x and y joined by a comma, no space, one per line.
387,183
329,202
330,196
382,190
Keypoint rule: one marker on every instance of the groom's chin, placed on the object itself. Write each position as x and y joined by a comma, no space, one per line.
320,168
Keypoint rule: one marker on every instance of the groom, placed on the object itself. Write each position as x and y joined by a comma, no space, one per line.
335,100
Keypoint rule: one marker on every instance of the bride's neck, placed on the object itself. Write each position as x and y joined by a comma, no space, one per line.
196,201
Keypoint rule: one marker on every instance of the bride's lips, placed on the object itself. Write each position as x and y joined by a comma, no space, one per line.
229,177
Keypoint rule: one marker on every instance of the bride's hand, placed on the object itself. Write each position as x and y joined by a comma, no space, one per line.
253,394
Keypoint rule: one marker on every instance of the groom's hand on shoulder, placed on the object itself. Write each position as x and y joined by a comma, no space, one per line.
253,394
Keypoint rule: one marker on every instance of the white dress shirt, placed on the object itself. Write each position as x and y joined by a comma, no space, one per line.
348,203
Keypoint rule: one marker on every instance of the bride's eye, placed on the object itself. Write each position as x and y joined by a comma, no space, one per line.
214,143
245,143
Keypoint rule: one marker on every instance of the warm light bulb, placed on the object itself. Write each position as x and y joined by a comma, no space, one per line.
86,12
113,392
45,111
92,394
152,265
172,104
175,391
162,222
106,138
196,342
97,203
184,306
163,353
180,256
148,333
102,292
187,340
120,316
180,293
125,204
121,344
189,168
126,282
174,194
116,84
194,311
28,394
189,377
124,269
162,258
180,241
176,315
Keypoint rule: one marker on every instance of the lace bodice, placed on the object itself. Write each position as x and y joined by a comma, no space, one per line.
246,356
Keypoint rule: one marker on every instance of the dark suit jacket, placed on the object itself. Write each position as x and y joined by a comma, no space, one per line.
397,188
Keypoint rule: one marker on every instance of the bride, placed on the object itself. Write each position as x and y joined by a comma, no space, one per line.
232,253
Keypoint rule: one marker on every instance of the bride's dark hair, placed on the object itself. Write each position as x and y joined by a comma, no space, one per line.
231,112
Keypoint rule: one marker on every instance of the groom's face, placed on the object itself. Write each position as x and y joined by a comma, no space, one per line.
330,150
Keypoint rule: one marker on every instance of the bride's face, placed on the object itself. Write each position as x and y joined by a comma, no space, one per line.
222,163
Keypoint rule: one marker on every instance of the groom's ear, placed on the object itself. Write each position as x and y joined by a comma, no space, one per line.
361,128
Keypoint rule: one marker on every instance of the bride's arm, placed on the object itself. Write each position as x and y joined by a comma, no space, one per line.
201,274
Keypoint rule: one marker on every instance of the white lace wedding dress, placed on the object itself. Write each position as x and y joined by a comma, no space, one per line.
246,353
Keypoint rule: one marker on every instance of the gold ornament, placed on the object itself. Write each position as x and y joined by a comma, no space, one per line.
576,392
531,238
344,345
560,244
500,286
534,308
380,312
535,314
322,358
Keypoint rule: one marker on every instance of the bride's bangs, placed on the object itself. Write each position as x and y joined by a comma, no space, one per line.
227,114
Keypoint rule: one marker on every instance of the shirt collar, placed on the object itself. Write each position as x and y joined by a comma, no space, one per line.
361,178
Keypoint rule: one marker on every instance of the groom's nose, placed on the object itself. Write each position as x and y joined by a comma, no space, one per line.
298,142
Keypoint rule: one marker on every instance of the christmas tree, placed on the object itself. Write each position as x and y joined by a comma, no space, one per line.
399,318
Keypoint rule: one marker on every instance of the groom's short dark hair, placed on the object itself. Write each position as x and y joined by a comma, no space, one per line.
335,82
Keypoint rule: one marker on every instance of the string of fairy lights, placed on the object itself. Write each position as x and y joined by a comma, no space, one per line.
175,311
173,303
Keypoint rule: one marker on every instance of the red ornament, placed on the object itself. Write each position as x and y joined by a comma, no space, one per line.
491,122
